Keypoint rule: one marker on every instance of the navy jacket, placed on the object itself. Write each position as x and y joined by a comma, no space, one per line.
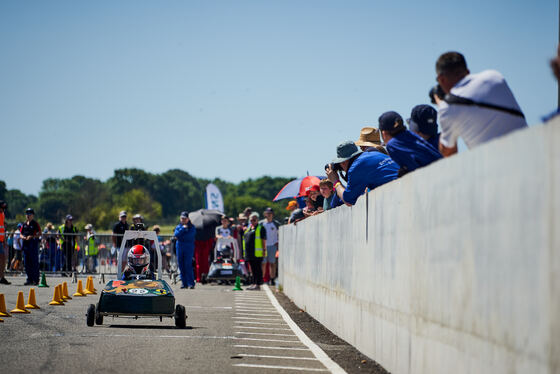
410,151
185,237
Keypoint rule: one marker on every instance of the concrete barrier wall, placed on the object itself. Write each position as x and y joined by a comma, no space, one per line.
454,268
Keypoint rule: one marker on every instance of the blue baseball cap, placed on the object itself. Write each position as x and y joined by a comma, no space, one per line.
423,118
390,121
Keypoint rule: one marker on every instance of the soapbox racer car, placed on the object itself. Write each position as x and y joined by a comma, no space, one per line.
227,264
137,297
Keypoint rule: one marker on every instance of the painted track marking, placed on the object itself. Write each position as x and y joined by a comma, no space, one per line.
278,367
332,366
280,357
278,348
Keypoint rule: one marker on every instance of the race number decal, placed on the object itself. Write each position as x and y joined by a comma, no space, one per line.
138,291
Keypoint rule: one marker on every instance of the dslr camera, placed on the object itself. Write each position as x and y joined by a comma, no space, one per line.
436,90
335,167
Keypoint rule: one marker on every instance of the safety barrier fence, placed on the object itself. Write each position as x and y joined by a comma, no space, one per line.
53,254
454,268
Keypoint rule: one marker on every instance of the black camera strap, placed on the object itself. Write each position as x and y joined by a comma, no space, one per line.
454,99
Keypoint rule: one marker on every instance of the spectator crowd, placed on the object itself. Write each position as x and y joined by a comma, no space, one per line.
475,107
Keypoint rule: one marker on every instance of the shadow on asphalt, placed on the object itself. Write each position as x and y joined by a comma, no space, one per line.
153,327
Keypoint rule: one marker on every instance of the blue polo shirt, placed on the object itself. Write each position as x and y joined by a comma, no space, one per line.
434,141
369,170
411,151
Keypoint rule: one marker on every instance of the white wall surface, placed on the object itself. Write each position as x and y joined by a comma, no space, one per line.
454,268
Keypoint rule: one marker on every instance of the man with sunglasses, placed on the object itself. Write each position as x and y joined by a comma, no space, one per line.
477,107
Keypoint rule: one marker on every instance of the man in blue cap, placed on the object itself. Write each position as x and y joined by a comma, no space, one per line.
407,149
363,170
423,122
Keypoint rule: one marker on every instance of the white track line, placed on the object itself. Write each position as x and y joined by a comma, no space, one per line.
207,307
267,340
318,352
244,313
261,328
278,348
262,323
278,367
260,319
263,333
280,357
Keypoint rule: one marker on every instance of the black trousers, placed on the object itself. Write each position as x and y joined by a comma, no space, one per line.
256,268
68,250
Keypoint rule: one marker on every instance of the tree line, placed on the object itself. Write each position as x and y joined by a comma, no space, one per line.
158,197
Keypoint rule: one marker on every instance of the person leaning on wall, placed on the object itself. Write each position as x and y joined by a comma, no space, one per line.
476,107
361,170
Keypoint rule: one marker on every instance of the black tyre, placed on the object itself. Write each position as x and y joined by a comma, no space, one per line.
98,317
90,315
180,316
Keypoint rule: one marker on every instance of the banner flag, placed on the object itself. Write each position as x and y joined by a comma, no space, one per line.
214,198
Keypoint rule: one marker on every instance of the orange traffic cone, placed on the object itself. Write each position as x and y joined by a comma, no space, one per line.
89,287
65,295
56,300
31,302
3,311
79,291
92,289
20,305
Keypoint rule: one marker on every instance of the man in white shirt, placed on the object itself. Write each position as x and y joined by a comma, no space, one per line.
489,111
271,227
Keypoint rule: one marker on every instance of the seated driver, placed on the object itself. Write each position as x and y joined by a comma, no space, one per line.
138,264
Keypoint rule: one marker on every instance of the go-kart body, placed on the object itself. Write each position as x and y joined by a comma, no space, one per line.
137,297
227,267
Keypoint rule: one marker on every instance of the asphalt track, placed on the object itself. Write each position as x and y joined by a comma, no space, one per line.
227,332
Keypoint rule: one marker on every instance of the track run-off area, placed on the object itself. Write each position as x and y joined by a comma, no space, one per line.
227,332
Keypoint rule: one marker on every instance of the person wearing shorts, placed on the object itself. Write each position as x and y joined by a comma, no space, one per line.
271,226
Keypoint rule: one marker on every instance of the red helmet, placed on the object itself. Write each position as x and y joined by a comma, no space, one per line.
138,257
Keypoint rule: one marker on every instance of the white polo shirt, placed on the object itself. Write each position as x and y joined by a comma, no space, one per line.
474,124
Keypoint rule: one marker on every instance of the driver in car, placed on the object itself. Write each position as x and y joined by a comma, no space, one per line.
138,264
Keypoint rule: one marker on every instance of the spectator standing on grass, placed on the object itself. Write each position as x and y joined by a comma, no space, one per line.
50,243
423,122
326,190
363,170
17,259
4,250
185,233
30,233
118,231
240,229
254,247
271,226
407,149
224,230
67,241
477,107
91,249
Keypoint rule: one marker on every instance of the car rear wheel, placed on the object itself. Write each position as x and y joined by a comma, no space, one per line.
98,317
180,316
90,315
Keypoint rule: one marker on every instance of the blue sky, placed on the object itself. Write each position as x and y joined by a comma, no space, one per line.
238,89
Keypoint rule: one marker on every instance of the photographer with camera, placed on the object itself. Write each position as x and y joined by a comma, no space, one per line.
361,170
476,107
